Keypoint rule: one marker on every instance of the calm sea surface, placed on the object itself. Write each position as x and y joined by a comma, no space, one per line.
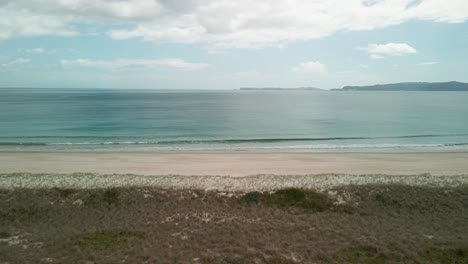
158,120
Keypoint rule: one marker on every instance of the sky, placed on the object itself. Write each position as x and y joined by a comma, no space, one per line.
225,44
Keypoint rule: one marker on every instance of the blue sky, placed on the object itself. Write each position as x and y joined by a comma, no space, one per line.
208,44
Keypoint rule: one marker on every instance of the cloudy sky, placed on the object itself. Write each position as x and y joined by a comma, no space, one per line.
225,44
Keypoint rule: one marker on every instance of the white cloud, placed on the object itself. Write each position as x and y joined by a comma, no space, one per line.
381,51
247,24
129,63
15,62
427,63
310,67
24,23
220,23
34,50
109,11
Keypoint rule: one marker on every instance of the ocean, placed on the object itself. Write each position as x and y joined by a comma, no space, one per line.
203,120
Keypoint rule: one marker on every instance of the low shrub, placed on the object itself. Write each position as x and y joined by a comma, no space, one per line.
107,239
111,196
252,198
64,192
305,199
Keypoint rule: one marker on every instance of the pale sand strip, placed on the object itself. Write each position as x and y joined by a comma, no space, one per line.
253,171
235,163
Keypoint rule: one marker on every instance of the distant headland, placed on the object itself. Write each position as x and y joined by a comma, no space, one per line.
406,86
410,86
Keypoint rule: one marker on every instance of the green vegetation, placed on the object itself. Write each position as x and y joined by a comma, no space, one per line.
446,256
4,235
92,199
64,192
306,199
23,213
387,200
252,198
387,224
365,255
111,196
107,239
243,260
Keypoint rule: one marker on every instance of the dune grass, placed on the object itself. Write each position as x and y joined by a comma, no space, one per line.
350,224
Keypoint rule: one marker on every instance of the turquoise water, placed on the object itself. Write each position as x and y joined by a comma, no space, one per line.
158,120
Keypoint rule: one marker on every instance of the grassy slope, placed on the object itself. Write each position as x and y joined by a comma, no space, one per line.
353,224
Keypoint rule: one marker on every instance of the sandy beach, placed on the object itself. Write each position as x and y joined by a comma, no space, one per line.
230,171
235,163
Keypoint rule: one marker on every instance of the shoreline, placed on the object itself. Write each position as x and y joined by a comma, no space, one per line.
230,171
235,164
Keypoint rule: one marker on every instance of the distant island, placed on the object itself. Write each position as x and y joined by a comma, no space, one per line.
410,86
406,86
280,89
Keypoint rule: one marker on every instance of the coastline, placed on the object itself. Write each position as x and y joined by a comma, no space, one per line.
235,164
229,171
